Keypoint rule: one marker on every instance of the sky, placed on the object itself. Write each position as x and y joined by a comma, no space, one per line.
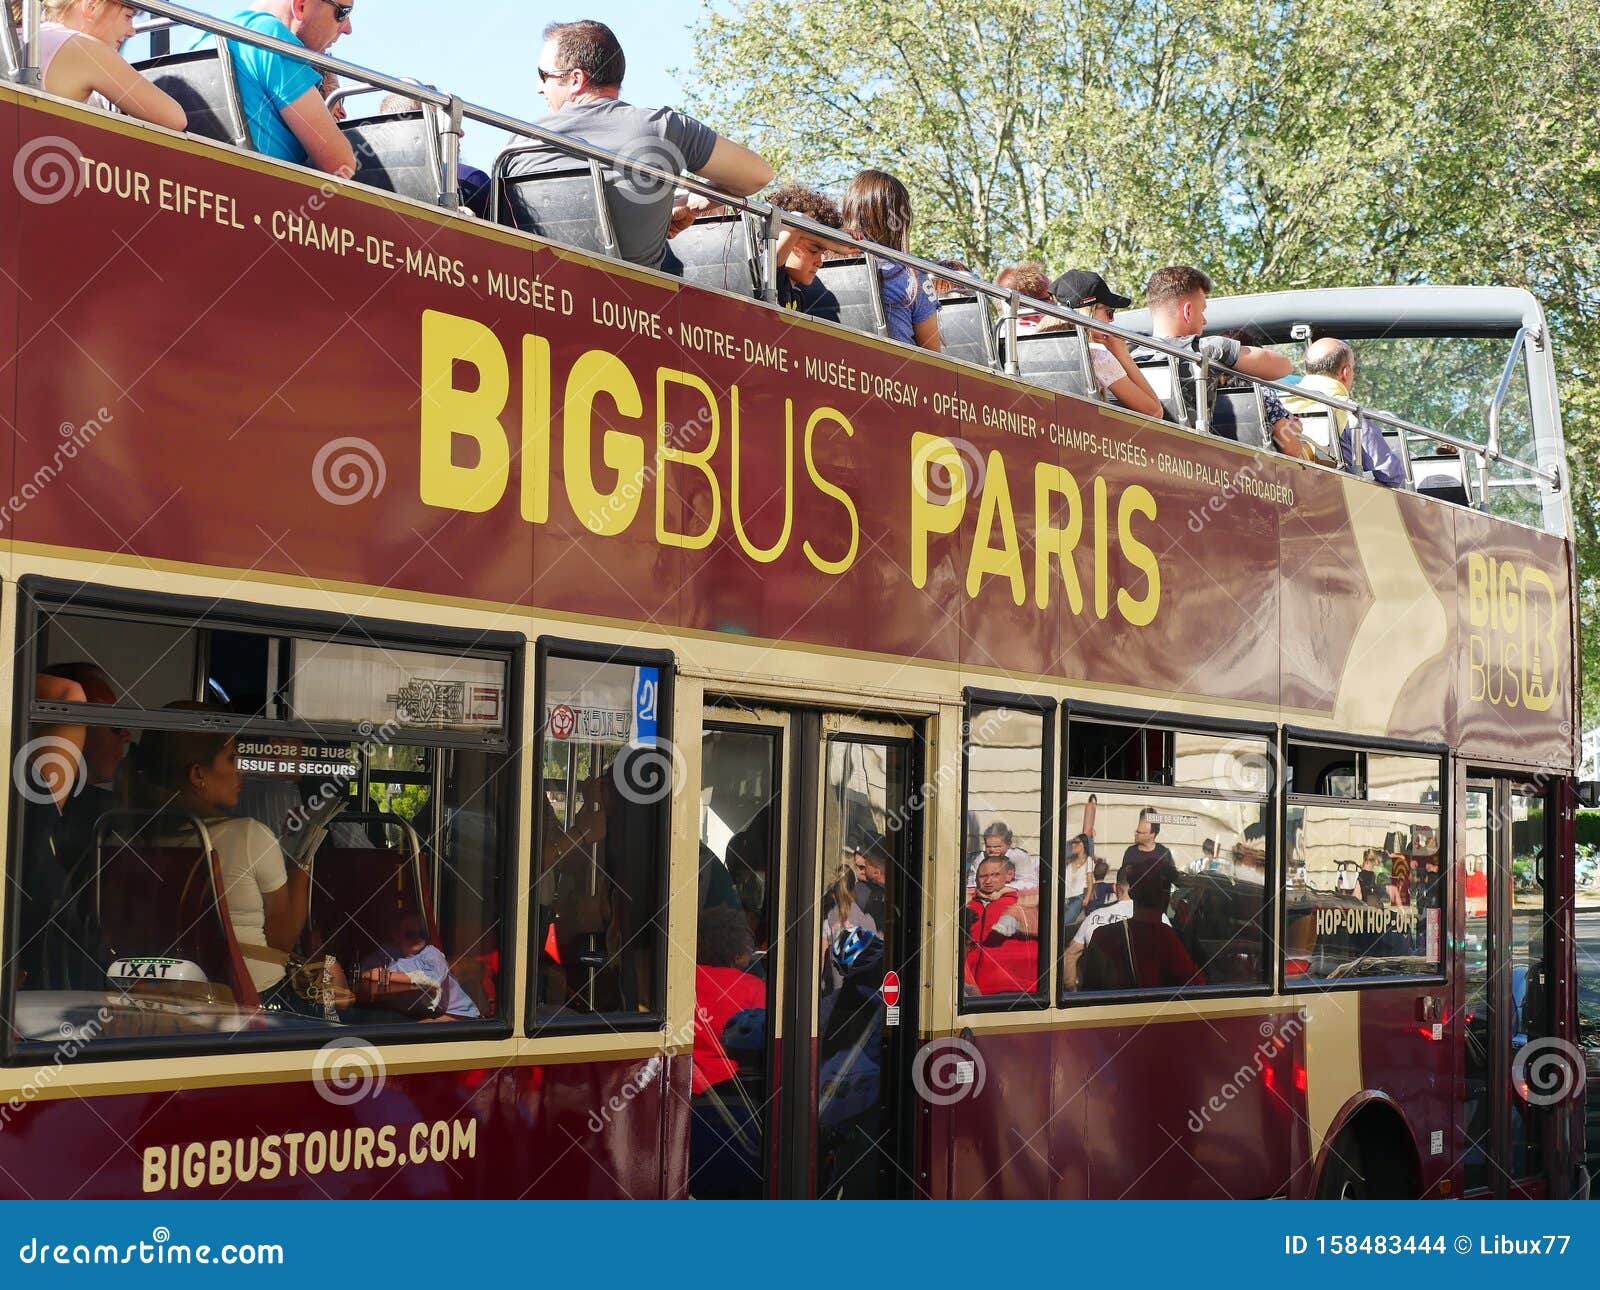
488,50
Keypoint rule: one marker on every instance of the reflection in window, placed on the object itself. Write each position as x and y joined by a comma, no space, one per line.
214,876
1208,854
1364,892
733,978
1005,820
606,771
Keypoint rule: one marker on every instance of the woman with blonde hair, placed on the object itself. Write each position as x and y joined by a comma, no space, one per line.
77,59
877,208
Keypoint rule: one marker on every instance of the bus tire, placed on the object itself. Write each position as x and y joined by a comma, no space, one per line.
1370,1160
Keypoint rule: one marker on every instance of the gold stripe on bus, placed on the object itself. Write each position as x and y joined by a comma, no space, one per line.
1333,1059
1105,1016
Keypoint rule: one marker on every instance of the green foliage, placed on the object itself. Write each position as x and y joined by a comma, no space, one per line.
1588,829
1278,145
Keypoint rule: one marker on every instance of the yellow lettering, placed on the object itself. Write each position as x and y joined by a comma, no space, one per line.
1052,543
1138,500
448,412
1477,591
928,517
832,490
986,559
535,429
1102,557
701,461
607,514
764,555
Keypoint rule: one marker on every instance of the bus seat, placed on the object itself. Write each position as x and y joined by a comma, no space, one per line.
716,252
1317,428
566,206
848,290
167,901
965,331
398,153
1055,360
1238,415
10,46
1443,476
1161,373
202,83
354,893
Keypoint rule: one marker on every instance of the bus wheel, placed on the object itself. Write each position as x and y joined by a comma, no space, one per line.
1344,1178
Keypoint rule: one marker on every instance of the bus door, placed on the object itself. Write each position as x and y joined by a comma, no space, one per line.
809,847
1506,1008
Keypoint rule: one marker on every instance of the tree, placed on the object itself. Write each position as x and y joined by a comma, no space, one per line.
1279,145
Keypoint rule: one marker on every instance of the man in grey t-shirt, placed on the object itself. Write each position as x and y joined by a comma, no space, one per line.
580,75
1176,298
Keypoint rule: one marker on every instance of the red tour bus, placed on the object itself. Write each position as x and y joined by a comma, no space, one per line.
489,719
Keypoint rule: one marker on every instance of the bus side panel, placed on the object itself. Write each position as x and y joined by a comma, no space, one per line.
578,1130
298,353
1000,1135
1400,1057
10,253
1204,1108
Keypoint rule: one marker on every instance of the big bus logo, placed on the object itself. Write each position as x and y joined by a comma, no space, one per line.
1512,647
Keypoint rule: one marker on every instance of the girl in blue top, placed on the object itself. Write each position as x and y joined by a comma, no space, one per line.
877,208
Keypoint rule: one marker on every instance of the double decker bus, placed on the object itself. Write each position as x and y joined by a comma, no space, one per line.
490,719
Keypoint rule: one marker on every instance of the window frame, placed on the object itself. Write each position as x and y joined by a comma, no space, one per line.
1049,824
666,663
1271,914
1366,744
38,597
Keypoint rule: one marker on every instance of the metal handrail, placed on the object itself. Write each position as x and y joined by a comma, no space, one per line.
460,110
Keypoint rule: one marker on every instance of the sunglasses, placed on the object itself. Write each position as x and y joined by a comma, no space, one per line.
340,11
545,76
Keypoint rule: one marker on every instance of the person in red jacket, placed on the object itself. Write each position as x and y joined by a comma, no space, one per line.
1141,952
723,987
1002,934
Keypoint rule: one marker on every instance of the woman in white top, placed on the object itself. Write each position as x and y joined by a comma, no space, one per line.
198,772
1114,368
78,59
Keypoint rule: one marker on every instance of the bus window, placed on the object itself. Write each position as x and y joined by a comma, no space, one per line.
1179,832
606,768
196,868
1364,887
1007,840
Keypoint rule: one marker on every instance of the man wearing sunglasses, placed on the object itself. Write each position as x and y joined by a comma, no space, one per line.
580,76
282,96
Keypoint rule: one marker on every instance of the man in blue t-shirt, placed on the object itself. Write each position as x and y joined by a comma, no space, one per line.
282,96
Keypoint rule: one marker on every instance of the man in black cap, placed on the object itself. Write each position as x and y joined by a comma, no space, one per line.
1114,369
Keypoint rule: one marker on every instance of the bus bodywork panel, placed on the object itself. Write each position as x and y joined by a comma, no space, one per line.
581,1129
454,411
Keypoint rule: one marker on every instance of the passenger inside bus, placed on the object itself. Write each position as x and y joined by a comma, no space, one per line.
877,208
1002,934
1115,371
1141,951
1331,369
800,254
411,975
999,842
730,1035
78,59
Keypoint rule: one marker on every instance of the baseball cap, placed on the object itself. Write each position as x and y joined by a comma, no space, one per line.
1077,288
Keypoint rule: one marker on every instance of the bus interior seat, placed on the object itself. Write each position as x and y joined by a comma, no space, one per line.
355,891
1056,360
167,901
10,46
1317,429
398,153
1161,373
1238,415
850,287
565,206
965,331
1443,476
202,82
716,252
